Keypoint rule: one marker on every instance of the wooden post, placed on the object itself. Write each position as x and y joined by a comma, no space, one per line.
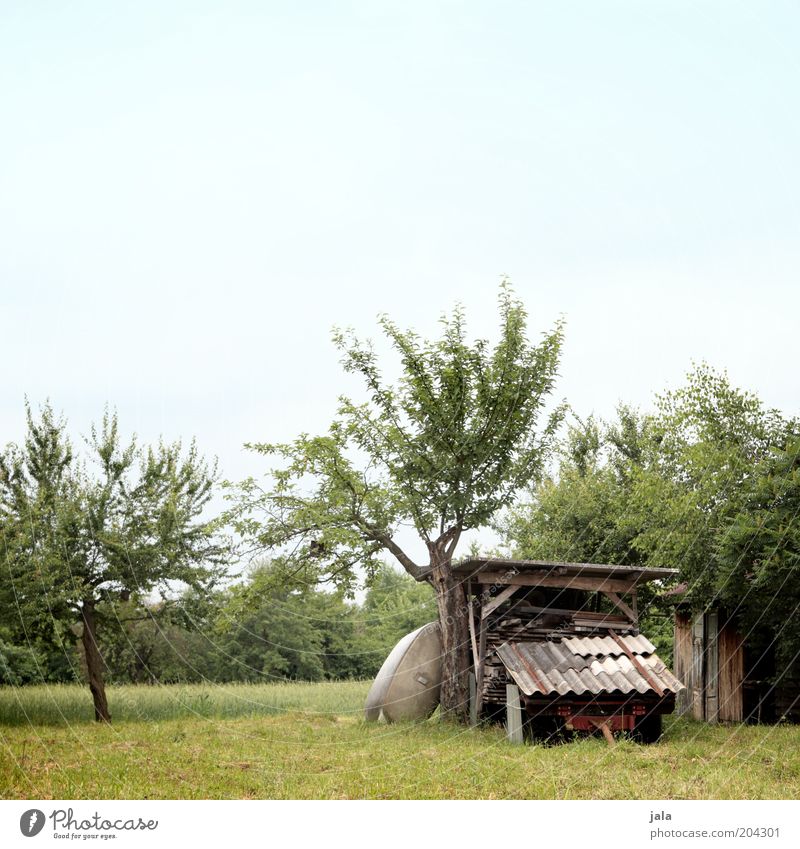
618,602
499,599
473,638
479,668
513,714
607,733
473,700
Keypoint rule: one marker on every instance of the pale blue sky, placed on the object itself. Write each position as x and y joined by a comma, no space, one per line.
191,194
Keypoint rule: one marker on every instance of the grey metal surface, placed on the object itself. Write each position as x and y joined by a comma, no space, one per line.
550,667
407,685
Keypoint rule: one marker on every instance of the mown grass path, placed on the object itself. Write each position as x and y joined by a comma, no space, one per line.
322,752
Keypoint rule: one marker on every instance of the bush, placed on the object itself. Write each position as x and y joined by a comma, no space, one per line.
19,665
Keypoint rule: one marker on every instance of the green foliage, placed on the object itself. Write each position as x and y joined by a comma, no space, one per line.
260,631
27,658
759,554
142,643
283,636
270,631
130,523
582,513
575,515
707,438
77,535
707,483
19,665
442,450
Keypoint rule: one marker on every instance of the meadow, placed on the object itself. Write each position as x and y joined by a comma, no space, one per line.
293,740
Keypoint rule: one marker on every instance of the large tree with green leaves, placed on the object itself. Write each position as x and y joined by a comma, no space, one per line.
704,445
759,558
442,450
706,483
76,534
576,514
582,513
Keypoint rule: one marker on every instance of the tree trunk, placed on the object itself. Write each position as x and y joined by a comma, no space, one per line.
451,600
94,663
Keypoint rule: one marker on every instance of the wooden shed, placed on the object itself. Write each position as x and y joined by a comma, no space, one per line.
730,677
557,647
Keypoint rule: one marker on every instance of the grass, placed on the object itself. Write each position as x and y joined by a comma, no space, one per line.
309,741
61,704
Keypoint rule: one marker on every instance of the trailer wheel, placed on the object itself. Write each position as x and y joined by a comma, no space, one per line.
648,728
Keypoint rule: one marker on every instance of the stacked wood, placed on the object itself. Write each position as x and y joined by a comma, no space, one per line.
494,682
521,622
584,622
515,626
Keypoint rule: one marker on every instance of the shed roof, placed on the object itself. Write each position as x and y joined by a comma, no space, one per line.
475,565
583,666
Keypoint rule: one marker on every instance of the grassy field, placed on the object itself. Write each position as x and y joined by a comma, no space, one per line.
63,704
309,741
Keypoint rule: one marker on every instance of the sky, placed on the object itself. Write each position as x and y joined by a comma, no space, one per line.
192,194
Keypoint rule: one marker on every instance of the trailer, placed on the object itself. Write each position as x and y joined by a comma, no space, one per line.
555,648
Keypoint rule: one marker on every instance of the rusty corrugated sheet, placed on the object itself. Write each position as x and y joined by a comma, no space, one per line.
607,645
550,668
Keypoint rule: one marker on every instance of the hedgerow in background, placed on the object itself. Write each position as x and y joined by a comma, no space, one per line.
258,631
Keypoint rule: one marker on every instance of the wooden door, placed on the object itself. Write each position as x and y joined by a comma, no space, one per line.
682,663
731,674
712,666
697,677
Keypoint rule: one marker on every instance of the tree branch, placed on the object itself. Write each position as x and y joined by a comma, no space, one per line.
419,573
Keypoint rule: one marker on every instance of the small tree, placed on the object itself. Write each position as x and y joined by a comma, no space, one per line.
442,450
74,536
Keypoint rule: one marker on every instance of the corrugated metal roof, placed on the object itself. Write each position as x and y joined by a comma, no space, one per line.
607,645
550,667
476,565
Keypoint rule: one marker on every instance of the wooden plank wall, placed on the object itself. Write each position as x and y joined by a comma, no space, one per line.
731,675
712,664
683,660
697,676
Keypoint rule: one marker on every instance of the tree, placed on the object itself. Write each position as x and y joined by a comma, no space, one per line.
759,553
581,513
18,665
706,441
78,536
441,450
269,630
574,514
703,484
